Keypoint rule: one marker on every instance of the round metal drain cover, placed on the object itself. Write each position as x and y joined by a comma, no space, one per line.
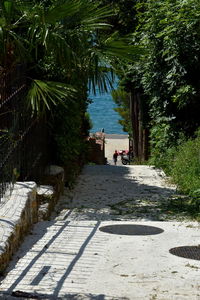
128,229
192,252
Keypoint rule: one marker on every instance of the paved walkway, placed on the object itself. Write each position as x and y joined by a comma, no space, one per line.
75,256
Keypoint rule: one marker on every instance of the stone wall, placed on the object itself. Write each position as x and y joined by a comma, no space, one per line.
17,214
26,205
96,149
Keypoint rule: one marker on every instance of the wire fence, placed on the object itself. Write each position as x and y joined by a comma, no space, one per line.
23,139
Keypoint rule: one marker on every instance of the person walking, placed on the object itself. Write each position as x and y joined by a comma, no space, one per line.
115,155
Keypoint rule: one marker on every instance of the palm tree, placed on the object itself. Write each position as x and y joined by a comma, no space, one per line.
66,35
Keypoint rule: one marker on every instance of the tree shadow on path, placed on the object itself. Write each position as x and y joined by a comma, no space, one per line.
119,193
102,193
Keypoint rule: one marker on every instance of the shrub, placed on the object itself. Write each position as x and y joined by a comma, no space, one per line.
162,143
185,170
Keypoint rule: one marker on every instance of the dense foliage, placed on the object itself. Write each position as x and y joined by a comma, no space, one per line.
65,45
169,76
121,98
170,70
166,78
153,47
185,167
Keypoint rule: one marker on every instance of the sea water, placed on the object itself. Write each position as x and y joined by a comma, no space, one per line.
102,114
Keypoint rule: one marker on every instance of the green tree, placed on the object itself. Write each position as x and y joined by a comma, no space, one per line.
121,98
65,45
168,73
65,33
131,108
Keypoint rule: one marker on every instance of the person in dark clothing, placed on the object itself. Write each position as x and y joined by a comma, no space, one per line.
115,155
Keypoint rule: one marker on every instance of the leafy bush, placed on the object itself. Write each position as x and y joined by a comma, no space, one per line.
68,133
186,166
87,124
70,128
162,143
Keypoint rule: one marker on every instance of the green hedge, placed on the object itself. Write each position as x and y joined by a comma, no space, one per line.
185,170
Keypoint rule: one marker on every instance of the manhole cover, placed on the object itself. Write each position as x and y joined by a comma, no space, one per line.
192,252
128,229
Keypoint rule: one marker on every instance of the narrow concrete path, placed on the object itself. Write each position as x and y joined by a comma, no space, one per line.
110,240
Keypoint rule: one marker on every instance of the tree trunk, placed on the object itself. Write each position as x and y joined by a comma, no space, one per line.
134,124
140,134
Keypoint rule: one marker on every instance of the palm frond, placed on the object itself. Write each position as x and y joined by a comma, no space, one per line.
42,95
103,54
103,82
100,75
59,12
21,45
7,8
94,17
79,13
121,48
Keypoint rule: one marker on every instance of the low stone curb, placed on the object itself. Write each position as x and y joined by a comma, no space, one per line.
26,205
17,214
46,199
